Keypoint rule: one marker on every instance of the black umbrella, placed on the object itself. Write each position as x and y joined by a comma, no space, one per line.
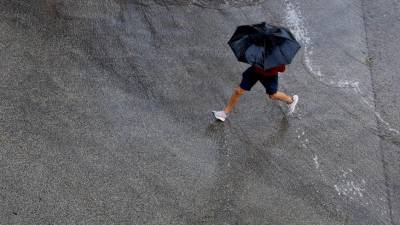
264,45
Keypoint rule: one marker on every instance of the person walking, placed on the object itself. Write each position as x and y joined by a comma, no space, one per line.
269,79
267,48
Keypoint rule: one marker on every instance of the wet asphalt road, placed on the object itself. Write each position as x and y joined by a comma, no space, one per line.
105,115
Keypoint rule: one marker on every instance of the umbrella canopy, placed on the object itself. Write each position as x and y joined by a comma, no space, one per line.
264,45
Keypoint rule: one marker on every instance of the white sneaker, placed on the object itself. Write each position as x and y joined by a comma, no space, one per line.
292,105
220,115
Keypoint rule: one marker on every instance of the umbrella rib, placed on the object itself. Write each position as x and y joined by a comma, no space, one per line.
287,61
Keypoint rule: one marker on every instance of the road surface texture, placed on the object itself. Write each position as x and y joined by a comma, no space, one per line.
105,115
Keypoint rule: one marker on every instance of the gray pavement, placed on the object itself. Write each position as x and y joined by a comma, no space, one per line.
105,115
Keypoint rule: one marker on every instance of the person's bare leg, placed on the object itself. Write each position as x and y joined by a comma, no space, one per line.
234,99
282,97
